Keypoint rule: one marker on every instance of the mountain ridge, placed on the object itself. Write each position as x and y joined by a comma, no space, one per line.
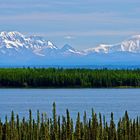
16,40
35,49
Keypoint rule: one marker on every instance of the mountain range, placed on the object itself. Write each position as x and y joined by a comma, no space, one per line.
19,49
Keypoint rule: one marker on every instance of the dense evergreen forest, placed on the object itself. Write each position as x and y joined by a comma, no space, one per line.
63,128
68,78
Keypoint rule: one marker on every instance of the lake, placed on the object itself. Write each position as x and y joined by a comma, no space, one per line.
101,100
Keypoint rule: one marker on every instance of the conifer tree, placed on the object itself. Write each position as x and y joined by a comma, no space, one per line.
42,129
77,129
34,129
23,130
51,130
59,128
134,130
1,131
89,129
18,127
112,130
85,126
100,137
54,121
38,125
94,126
137,129
47,133
30,125
105,132
12,126
63,134
68,129
127,126
72,131
6,130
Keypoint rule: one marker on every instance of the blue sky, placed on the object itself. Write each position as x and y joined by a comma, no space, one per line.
80,23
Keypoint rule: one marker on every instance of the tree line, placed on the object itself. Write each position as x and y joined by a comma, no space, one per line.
62,128
67,78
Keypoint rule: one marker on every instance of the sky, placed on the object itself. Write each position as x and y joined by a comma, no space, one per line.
80,23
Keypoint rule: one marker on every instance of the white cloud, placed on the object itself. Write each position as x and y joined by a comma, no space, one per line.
69,37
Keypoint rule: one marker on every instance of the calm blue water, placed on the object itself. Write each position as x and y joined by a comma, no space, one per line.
101,100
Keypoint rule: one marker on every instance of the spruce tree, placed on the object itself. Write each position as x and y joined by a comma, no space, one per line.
18,128
77,128
68,129
38,125
112,132
127,126
59,128
12,126
85,126
1,130
100,133
63,134
54,121
30,126
94,126
72,131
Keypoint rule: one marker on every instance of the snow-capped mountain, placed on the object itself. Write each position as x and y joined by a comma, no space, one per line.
12,43
131,45
68,50
18,43
16,48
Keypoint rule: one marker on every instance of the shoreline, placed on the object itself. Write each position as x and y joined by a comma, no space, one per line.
69,88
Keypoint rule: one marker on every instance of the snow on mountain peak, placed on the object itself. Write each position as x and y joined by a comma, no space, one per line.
102,48
51,45
130,45
15,42
136,37
10,34
67,47
3,33
15,34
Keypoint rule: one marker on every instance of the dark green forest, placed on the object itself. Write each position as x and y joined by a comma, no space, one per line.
62,128
68,78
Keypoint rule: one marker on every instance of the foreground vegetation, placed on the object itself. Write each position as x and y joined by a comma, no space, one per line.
63,128
64,78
